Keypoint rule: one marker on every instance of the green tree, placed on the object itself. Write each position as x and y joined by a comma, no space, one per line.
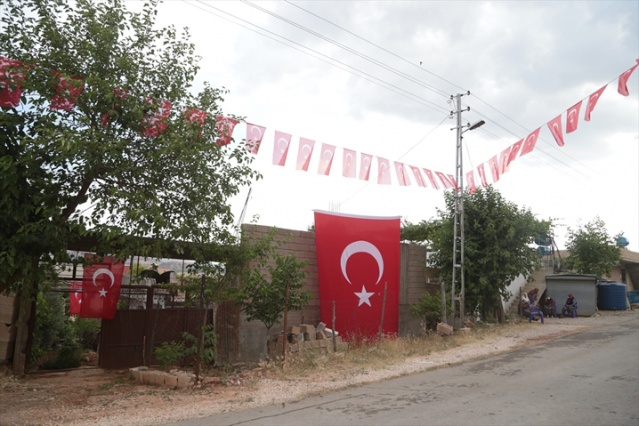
498,243
92,168
591,250
272,288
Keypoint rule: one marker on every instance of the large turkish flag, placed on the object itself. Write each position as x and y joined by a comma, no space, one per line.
357,257
101,284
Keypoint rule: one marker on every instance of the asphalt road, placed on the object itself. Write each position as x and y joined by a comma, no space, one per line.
590,378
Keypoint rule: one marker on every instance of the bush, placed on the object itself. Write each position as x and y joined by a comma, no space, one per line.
170,353
87,332
429,308
67,356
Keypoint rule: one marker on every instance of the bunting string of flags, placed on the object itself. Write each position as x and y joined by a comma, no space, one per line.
68,89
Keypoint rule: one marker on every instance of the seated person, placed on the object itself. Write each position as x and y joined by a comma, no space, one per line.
570,307
550,307
532,295
524,305
535,313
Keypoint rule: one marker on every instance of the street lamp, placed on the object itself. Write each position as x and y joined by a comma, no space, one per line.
458,252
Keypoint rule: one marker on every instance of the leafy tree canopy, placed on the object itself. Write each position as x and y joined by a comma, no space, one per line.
498,242
592,250
94,167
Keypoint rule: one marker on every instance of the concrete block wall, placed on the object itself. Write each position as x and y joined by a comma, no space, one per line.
252,336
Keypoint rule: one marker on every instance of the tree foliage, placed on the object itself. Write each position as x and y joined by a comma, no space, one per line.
65,172
274,287
498,242
592,250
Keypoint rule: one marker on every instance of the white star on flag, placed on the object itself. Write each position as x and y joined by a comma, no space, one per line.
364,297
103,292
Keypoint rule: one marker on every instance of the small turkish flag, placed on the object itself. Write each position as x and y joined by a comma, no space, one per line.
12,74
280,148
75,297
304,153
225,127
254,135
529,142
572,118
349,163
418,176
383,171
357,259
326,159
592,101
67,91
555,128
365,166
101,284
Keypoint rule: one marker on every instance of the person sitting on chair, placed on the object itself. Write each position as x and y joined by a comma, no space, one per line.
570,307
550,307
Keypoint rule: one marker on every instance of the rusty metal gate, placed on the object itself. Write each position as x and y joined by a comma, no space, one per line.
129,339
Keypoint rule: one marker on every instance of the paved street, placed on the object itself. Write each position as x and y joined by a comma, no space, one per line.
590,378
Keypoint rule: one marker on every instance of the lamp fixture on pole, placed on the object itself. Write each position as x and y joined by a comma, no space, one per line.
458,230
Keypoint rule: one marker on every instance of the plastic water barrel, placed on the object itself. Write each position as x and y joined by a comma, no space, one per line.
611,296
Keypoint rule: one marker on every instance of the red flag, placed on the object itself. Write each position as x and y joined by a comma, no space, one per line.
304,153
470,178
592,101
529,142
67,91
448,184
494,168
349,163
365,166
357,258
75,297
572,118
402,179
503,160
101,284
326,159
254,135
453,181
383,171
155,121
482,175
555,128
431,178
280,148
622,86
119,93
418,176
514,150
196,116
225,127
12,74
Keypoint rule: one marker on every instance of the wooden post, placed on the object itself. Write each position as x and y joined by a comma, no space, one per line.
333,325
285,340
381,322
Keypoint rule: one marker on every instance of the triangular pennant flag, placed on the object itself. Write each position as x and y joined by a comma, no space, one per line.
529,143
280,148
349,163
572,118
383,171
555,128
592,101
622,86
254,135
304,153
326,159
365,166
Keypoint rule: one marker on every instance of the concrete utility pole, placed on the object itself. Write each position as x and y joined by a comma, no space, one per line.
458,231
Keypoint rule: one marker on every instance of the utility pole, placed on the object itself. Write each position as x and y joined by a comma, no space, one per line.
458,230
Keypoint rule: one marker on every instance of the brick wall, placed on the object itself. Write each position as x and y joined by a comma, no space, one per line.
251,336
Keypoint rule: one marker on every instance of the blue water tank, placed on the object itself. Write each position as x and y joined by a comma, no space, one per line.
611,296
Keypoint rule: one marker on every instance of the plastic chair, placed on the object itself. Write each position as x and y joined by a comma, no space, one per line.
535,311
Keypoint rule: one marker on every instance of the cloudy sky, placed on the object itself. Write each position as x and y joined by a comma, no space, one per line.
377,78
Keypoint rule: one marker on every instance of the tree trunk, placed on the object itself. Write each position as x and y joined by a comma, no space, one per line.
25,322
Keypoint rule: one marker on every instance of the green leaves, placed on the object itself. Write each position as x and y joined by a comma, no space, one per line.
592,250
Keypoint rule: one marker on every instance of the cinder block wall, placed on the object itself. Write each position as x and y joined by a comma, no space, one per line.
251,336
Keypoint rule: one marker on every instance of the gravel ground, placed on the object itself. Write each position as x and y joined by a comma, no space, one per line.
97,397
